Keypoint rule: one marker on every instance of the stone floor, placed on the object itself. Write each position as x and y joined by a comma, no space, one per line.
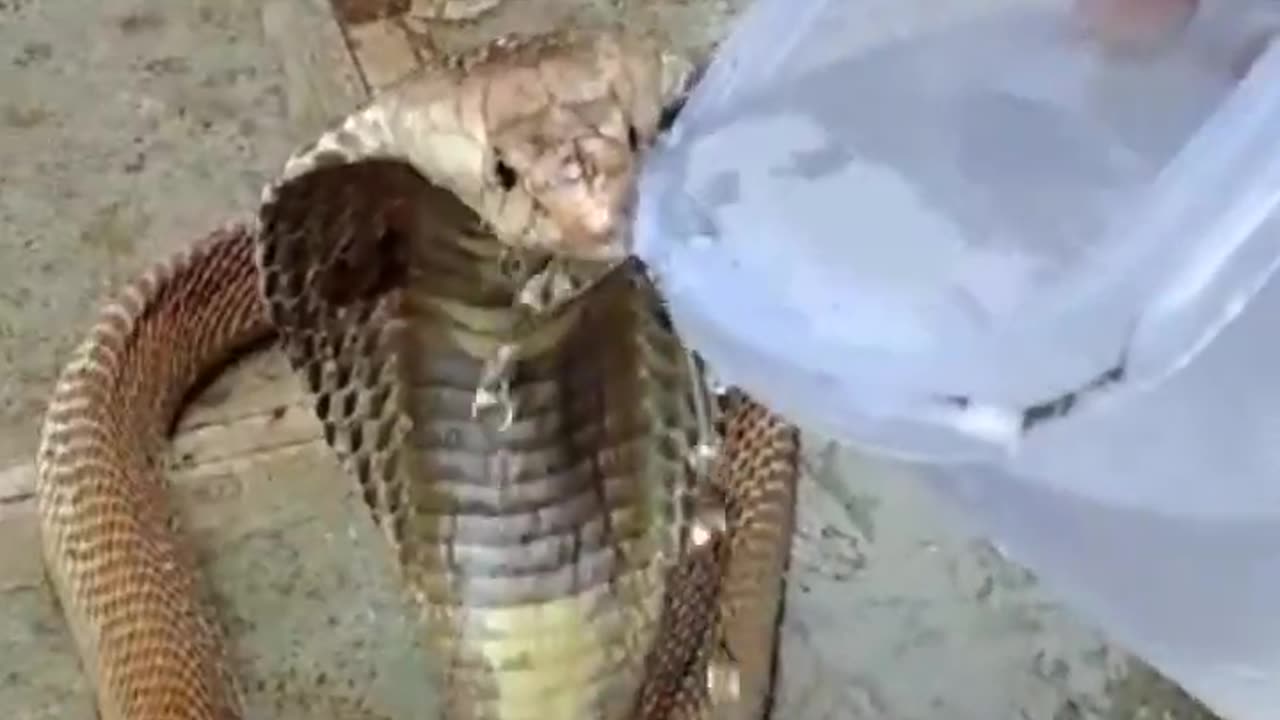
127,126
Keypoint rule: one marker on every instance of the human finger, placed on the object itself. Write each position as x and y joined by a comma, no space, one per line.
1135,25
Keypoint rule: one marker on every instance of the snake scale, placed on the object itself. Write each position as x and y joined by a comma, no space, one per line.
583,529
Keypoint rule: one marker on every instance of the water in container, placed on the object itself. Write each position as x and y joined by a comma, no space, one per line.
967,236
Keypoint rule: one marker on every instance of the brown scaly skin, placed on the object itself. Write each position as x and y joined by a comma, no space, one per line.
124,576
461,230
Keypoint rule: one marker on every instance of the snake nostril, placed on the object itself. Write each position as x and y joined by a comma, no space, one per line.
505,174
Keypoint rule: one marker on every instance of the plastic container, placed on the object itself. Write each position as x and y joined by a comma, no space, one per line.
953,231
967,237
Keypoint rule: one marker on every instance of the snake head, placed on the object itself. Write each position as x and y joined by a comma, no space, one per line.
569,176
565,132
537,139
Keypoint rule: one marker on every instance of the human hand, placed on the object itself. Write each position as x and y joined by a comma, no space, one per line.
1140,25
1135,25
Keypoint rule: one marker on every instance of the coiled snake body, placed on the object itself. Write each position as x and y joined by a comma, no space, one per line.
446,275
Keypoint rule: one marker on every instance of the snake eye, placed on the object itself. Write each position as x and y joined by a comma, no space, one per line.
633,137
505,173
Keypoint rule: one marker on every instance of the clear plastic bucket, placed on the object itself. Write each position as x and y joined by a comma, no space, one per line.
967,231
969,238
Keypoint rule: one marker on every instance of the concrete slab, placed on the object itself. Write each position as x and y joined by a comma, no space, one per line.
128,126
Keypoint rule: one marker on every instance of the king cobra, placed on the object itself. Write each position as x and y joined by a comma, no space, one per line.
583,528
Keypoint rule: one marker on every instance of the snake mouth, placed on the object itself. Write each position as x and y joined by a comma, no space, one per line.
592,231
604,247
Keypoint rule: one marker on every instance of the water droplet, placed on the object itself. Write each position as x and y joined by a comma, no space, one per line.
494,406
703,456
503,359
552,287
709,520
700,534
484,400
724,681
493,396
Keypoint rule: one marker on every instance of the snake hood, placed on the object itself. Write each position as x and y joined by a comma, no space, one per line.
544,155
